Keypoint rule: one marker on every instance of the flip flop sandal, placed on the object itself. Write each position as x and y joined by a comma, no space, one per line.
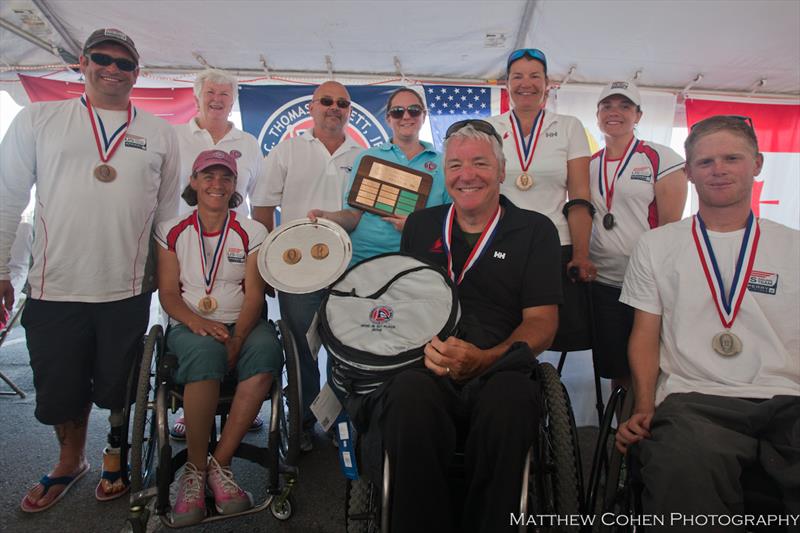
109,478
178,429
47,482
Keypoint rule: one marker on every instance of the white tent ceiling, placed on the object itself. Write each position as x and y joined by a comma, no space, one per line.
733,44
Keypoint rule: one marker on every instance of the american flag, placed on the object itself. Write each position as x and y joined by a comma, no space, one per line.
451,103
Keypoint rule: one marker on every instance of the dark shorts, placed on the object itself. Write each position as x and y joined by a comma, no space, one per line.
82,353
574,330
204,358
613,322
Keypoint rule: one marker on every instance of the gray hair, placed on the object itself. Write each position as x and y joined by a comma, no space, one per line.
468,132
216,76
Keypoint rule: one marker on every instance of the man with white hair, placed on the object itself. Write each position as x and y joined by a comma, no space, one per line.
506,263
215,92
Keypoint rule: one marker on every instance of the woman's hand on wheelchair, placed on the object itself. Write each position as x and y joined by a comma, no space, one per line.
634,429
205,327
454,358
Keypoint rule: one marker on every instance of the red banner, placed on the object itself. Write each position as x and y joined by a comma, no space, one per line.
176,106
776,125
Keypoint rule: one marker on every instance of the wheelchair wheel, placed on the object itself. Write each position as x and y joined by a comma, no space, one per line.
362,509
282,509
613,480
290,416
143,433
557,486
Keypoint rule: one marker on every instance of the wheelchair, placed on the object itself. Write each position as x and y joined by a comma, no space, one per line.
151,394
552,480
615,484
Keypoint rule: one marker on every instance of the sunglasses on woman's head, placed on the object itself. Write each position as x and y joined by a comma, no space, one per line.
327,101
104,60
398,111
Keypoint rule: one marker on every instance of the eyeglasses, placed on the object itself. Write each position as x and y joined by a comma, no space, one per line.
742,118
398,111
327,101
533,53
477,124
125,65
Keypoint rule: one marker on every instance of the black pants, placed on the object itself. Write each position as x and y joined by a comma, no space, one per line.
422,416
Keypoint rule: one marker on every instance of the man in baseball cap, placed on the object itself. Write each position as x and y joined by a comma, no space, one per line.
111,35
89,299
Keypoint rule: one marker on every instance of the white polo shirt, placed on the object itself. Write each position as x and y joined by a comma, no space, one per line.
91,239
244,237
562,139
633,206
665,277
192,140
302,175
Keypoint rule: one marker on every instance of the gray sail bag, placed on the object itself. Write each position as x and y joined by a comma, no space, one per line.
376,319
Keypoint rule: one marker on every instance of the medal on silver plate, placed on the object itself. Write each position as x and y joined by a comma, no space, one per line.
526,148
606,187
726,343
108,145
208,304
524,181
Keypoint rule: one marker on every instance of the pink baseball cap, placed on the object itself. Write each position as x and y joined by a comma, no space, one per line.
209,158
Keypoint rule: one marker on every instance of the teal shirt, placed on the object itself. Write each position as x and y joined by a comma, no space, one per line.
374,236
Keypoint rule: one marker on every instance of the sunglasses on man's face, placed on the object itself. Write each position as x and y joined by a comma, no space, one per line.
125,65
477,124
327,101
398,111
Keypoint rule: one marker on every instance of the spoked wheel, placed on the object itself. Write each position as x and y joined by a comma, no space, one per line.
362,507
291,415
143,433
614,488
558,485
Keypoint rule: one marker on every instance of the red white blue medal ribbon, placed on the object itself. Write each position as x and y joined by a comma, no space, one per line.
487,235
606,188
108,145
525,149
727,304
209,276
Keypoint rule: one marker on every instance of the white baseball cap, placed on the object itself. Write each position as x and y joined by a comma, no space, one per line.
624,88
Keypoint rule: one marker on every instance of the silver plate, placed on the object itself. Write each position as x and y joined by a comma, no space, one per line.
286,261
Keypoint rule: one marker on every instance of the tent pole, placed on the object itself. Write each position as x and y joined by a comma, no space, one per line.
73,47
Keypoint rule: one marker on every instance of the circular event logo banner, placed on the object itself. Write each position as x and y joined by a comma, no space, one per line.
293,117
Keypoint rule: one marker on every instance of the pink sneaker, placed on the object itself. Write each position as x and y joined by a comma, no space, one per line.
229,498
190,503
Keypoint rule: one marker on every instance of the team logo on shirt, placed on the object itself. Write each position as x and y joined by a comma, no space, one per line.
236,154
236,255
430,166
436,247
763,282
293,117
134,141
642,174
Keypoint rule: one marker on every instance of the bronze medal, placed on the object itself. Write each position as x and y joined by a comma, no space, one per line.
207,305
319,251
524,181
105,173
292,256
726,343
608,221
